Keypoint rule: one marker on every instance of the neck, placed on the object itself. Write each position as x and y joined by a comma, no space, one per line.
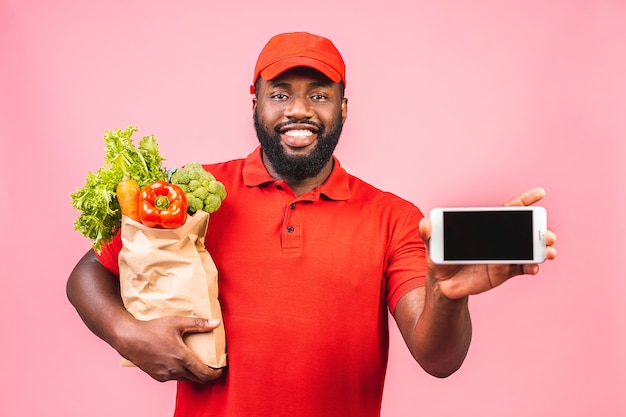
301,186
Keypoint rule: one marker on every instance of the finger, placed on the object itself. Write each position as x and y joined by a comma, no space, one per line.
530,269
550,238
201,373
528,198
196,369
425,230
551,253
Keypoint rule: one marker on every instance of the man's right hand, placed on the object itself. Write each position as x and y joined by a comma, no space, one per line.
157,347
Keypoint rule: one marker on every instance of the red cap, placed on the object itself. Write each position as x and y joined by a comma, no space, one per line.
299,49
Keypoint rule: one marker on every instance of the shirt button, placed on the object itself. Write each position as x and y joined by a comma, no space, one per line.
278,186
290,229
292,206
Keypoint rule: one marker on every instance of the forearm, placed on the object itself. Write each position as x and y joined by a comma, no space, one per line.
442,334
95,295
437,330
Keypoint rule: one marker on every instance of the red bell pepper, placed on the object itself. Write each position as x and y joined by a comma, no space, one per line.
162,205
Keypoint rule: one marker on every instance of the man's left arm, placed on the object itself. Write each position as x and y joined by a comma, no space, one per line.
435,321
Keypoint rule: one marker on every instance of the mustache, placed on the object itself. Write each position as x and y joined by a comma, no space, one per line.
284,125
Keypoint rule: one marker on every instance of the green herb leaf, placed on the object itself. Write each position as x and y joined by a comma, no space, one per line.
100,215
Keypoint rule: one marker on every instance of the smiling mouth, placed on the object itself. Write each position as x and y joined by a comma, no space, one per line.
299,138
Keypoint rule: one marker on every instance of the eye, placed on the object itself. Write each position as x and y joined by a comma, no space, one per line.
319,97
278,96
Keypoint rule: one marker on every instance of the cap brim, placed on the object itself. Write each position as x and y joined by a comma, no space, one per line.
277,68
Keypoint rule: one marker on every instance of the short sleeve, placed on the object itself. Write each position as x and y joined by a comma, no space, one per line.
108,256
406,269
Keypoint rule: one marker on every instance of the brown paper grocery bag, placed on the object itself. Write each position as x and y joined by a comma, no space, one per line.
168,272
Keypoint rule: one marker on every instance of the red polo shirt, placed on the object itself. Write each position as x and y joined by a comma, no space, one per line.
305,283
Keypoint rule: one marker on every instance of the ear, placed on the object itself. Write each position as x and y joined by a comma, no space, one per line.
254,103
344,109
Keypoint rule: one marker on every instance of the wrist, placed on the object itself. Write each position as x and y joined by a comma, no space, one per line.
438,291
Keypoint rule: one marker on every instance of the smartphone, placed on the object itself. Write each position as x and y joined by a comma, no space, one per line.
488,235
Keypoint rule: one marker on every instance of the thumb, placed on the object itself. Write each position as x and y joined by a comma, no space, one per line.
425,230
197,325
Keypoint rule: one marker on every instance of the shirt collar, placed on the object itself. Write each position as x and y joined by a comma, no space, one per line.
336,186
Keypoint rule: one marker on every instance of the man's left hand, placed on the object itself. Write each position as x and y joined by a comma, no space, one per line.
458,281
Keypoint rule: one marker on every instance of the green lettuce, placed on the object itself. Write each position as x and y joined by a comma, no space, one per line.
100,215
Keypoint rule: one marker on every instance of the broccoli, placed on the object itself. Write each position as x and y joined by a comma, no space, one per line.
216,187
212,203
203,191
194,204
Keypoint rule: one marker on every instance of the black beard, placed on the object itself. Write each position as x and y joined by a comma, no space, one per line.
297,168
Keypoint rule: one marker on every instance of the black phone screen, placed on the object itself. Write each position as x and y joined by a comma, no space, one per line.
488,235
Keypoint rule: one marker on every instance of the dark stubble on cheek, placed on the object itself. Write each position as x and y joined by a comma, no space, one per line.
299,167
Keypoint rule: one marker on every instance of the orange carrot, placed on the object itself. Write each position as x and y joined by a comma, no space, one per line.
128,197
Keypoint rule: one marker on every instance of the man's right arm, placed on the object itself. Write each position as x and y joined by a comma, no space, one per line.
155,346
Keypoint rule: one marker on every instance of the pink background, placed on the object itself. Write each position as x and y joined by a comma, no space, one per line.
451,103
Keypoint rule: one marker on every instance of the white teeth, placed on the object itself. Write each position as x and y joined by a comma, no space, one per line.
301,133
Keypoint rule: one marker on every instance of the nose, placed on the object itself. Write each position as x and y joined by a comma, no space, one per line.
299,108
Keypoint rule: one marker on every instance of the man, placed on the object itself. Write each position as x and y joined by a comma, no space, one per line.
310,260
